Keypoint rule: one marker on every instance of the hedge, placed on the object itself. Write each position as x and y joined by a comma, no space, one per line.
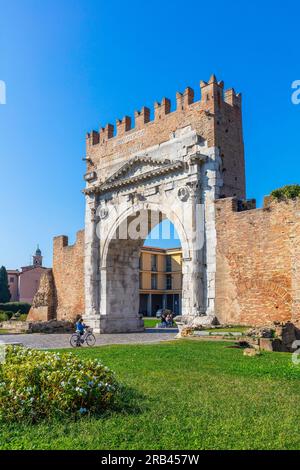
15,307
5,316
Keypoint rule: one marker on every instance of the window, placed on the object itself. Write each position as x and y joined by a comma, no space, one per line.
153,281
12,280
169,282
168,263
153,262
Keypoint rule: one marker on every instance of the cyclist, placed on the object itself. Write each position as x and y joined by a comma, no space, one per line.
80,327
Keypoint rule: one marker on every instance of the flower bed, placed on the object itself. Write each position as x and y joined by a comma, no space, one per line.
35,385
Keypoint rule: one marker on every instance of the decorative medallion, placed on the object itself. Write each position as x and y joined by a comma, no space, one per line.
103,213
183,193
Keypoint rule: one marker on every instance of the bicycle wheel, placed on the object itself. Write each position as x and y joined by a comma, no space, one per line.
74,340
90,339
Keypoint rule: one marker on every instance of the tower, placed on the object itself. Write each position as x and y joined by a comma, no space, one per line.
37,258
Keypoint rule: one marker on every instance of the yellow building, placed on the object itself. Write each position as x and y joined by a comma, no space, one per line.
160,280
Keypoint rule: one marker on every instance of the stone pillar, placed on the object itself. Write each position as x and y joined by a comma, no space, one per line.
199,269
212,182
149,305
91,265
119,303
197,250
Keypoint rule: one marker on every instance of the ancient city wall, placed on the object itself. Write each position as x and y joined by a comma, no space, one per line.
258,262
68,272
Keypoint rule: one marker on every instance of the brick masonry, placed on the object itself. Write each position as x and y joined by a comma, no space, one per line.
68,272
258,274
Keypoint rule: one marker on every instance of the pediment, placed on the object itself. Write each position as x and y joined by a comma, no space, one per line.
139,169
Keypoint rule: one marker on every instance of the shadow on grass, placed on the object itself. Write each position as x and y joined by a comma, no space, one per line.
129,401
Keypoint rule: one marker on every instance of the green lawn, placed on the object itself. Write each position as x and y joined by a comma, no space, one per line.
183,395
232,329
150,322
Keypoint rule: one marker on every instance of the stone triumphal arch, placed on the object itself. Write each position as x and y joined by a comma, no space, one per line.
178,181
176,164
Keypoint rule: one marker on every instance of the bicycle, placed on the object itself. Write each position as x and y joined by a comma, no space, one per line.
77,340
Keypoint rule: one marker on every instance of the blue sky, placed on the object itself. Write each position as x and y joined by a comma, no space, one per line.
71,65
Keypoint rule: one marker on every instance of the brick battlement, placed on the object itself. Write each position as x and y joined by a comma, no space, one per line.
216,118
212,98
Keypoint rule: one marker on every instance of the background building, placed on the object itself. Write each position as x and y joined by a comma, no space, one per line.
160,280
13,283
24,284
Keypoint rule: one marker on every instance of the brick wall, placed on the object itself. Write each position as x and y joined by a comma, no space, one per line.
216,117
68,272
258,278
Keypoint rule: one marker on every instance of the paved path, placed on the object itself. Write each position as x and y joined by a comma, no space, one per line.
56,341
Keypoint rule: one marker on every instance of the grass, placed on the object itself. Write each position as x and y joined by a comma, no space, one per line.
4,332
232,329
182,395
150,322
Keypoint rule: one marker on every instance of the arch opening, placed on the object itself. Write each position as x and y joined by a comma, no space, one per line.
161,272
132,287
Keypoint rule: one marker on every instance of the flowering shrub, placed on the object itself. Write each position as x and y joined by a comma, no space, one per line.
38,384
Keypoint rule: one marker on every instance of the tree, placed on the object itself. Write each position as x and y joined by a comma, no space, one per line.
290,191
4,288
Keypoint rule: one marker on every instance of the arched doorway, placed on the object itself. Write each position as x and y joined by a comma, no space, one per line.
120,267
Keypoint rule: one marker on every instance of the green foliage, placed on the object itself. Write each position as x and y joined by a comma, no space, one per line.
4,316
291,191
4,288
16,307
23,317
150,322
184,394
35,385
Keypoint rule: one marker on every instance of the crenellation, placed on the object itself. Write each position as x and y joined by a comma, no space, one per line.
142,117
232,98
106,133
211,102
95,138
60,242
183,100
162,109
213,79
123,125
203,84
212,94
